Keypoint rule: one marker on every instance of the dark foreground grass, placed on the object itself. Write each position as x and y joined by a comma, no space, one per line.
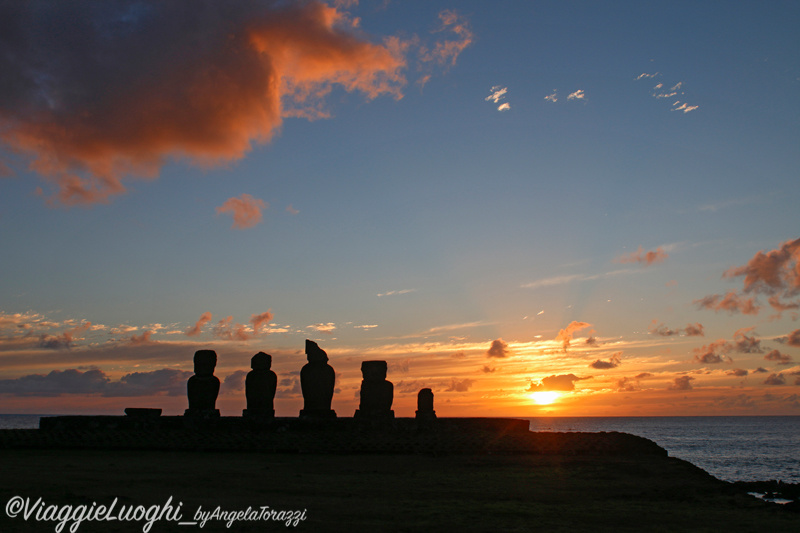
390,492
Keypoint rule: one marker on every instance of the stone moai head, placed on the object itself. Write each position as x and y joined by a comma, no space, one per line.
314,353
204,362
425,400
261,361
374,370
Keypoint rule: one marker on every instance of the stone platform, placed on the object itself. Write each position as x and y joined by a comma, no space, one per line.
340,435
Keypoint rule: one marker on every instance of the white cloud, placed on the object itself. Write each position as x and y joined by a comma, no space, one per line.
645,75
560,280
395,293
684,107
323,327
504,107
498,93
552,97
577,95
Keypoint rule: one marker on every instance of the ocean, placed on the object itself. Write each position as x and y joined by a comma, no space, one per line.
731,448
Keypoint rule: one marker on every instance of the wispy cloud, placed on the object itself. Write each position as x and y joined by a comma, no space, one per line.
646,258
245,210
446,52
291,210
204,319
661,92
395,293
565,335
552,97
724,204
569,278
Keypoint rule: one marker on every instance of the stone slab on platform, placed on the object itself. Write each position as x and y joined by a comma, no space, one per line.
341,435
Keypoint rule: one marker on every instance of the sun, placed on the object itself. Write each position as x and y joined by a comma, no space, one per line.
545,397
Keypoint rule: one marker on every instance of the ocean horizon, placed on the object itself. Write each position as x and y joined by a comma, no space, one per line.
731,448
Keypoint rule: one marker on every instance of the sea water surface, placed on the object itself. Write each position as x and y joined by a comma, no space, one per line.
731,448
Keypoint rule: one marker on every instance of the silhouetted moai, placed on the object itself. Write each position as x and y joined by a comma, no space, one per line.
203,387
260,386
376,393
317,379
425,405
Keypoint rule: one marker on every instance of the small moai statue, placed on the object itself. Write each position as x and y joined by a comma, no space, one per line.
203,388
425,405
317,379
260,386
376,393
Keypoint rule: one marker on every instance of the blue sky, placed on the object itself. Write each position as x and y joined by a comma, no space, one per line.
417,228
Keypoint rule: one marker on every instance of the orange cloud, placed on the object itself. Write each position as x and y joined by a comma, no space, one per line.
731,302
245,209
691,330
144,338
259,320
682,383
778,357
713,353
447,51
565,335
794,338
745,344
773,271
5,170
614,362
640,256
498,349
65,340
177,80
202,321
563,382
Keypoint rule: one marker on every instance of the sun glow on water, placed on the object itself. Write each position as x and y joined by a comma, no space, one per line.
545,397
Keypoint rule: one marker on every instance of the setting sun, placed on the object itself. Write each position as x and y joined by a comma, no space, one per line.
545,397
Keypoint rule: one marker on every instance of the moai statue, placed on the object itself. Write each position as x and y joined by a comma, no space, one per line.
260,386
203,387
376,392
317,379
425,405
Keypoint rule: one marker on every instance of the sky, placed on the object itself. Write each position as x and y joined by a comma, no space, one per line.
533,208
